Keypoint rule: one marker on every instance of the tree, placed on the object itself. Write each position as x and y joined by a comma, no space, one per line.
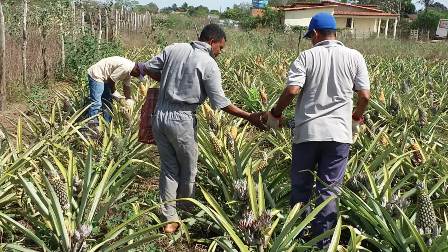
166,10
238,12
393,6
199,11
152,8
426,3
46,14
128,4
214,12
281,2
429,19
438,6
184,6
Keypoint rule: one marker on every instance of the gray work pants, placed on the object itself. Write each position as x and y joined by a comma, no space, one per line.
175,135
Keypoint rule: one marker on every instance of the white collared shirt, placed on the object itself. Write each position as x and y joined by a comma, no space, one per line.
328,74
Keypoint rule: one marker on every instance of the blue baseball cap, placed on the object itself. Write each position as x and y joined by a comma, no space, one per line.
321,21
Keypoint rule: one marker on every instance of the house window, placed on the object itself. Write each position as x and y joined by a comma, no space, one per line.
349,23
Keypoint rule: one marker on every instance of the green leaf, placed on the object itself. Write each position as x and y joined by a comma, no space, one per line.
252,194
85,188
416,235
336,236
261,199
32,193
28,233
58,216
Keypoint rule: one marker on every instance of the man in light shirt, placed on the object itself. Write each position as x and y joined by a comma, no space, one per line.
102,79
324,78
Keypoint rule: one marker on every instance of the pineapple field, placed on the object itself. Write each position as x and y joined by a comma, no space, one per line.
63,191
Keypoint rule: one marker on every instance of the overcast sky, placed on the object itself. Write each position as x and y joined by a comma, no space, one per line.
221,4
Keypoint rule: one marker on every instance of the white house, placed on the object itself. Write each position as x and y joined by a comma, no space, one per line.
361,20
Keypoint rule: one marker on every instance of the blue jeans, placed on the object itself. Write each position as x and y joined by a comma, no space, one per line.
330,160
101,99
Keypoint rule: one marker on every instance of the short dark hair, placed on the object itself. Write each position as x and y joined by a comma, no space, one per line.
212,31
327,32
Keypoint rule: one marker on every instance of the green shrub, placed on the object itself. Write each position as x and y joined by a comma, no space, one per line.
84,52
429,20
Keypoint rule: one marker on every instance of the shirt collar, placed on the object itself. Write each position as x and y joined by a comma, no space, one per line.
204,46
329,42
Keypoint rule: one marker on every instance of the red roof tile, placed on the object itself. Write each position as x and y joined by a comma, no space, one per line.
364,13
307,7
354,6
364,10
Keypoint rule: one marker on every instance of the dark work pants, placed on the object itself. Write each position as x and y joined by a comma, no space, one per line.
329,160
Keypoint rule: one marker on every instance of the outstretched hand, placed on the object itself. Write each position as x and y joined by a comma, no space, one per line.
257,119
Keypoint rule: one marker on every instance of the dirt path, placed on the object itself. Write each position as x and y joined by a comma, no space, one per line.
13,111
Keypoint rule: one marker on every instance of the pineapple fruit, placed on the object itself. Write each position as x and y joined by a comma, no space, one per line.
230,140
142,89
216,145
422,117
263,96
426,220
263,163
382,98
395,106
418,158
211,119
60,188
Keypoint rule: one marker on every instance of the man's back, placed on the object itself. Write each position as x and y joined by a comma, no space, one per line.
117,68
330,73
189,75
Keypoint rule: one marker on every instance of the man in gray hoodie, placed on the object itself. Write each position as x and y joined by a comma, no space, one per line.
188,75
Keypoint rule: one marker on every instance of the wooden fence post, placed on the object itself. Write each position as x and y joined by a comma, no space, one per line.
106,36
24,44
100,30
2,60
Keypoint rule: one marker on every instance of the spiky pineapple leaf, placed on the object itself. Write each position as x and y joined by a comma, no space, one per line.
30,234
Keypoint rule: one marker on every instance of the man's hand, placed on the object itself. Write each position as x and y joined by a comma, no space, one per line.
356,126
130,103
271,121
256,119
117,96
